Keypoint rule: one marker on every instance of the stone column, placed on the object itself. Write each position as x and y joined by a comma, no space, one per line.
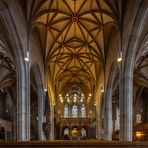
99,119
108,122
52,123
23,101
14,124
114,115
126,99
23,74
108,125
28,99
48,125
41,105
139,16
126,107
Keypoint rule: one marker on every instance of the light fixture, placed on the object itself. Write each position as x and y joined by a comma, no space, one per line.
61,101
102,90
138,134
27,56
119,58
45,89
59,95
90,95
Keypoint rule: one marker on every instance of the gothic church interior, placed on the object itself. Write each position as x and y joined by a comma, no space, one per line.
74,70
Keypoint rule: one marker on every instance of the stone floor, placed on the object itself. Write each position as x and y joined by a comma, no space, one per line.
75,144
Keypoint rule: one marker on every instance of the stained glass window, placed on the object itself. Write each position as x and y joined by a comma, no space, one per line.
66,111
83,111
75,111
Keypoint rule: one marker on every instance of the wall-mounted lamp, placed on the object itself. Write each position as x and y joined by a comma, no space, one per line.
119,58
45,89
27,56
102,89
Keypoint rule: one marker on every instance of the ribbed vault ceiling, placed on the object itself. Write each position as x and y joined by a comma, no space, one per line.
73,37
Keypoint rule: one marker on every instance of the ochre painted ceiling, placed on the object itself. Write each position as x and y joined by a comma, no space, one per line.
73,36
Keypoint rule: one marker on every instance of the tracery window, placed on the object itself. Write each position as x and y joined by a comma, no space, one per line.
74,111
66,111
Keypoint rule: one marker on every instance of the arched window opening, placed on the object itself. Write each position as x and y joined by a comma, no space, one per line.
74,111
66,111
